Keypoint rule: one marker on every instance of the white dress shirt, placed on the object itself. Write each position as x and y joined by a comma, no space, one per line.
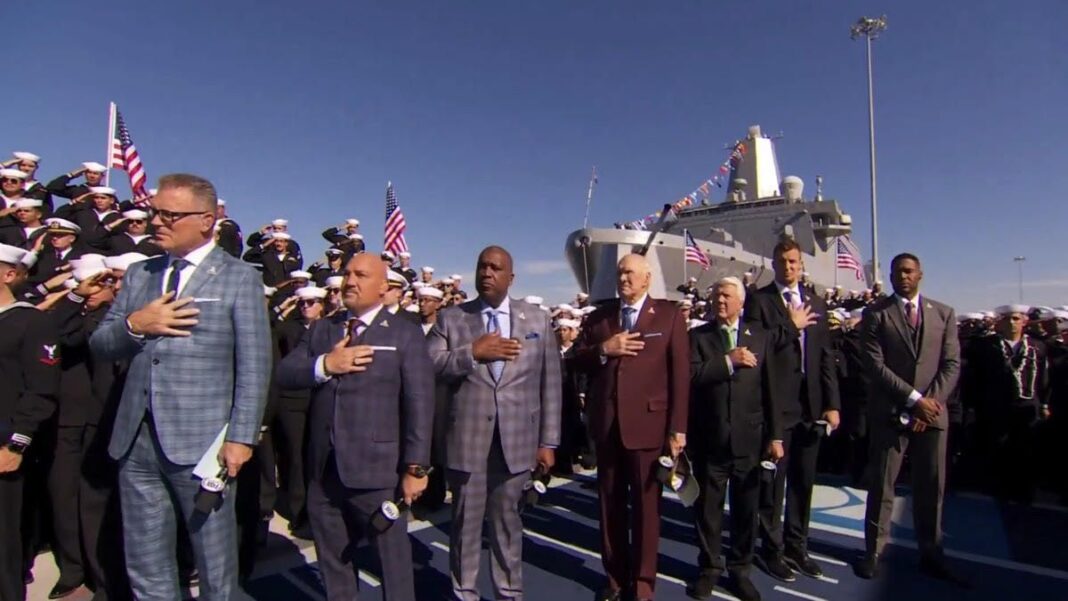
195,258
320,364
637,306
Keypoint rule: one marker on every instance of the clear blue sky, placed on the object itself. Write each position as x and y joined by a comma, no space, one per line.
488,115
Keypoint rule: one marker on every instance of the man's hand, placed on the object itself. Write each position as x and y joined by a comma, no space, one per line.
492,347
9,462
7,211
676,443
116,223
344,359
412,488
927,409
1044,412
742,357
832,418
802,316
56,282
163,317
775,451
233,455
266,228
81,199
623,344
546,458
918,425
39,242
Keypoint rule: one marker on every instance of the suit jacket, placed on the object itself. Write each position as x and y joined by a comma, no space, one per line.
94,233
648,395
286,337
768,309
733,414
196,384
15,235
524,405
376,422
275,270
120,243
896,366
48,265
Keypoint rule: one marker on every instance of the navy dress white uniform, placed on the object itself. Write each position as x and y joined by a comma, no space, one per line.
29,370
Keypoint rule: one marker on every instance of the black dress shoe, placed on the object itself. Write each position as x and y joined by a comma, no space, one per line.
801,562
61,590
743,587
868,567
609,594
702,587
939,571
776,568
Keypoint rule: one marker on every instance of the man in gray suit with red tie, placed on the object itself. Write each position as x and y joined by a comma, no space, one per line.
500,358
369,428
912,356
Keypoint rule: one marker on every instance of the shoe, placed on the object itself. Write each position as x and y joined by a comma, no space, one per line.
776,568
868,567
803,563
61,590
939,571
609,594
702,587
743,587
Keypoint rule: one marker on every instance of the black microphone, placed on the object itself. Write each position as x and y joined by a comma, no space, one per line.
387,514
209,497
538,484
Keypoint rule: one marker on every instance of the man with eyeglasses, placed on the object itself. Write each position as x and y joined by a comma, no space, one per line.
28,213
335,266
178,320
332,302
11,191
27,163
134,237
61,246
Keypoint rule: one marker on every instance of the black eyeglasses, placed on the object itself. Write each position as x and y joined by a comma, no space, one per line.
11,180
170,217
333,290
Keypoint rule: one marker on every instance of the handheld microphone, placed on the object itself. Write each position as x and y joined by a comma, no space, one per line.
665,470
209,497
902,420
387,514
767,482
538,484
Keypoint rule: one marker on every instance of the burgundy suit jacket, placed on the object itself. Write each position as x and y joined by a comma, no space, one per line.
648,394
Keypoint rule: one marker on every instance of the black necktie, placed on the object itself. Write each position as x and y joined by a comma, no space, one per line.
175,276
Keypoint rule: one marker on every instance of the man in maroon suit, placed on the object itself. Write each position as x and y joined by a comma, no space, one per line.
637,354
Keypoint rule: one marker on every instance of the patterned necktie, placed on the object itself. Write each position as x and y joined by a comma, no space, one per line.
911,315
628,318
175,277
494,327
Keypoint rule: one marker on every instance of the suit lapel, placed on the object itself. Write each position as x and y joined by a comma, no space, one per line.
154,285
208,269
777,300
475,328
927,334
646,317
897,317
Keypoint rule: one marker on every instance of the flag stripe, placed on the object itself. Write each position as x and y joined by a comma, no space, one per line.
694,254
847,256
395,224
124,156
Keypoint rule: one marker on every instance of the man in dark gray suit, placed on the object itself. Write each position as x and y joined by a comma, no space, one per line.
912,356
500,358
192,324
369,428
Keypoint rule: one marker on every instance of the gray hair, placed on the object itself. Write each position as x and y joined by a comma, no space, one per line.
731,281
203,190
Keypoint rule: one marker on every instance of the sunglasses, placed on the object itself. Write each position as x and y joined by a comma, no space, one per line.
307,303
333,290
137,221
11,180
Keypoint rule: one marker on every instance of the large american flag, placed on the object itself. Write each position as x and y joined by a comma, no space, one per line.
124,156
848,256
694,254
395,225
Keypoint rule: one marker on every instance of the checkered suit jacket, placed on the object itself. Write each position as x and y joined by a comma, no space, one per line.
524,404
196,384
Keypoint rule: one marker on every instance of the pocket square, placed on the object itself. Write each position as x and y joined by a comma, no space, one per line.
532,336
200,299
652,334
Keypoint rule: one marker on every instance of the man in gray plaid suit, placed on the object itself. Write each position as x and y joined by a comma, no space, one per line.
193,326
500,360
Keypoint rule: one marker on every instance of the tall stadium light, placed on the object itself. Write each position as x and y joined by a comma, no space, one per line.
1019,265
870,28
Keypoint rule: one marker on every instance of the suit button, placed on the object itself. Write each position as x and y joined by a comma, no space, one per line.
155,362
489,419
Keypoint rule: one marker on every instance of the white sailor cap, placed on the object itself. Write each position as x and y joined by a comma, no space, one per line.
352,221
300,274
687,303
804,274
748,273
311,293
973,316
94,167
86,266
135,214
989,315
28,203
428,270
281,236
582,296
534,300
396,280
573,324
700,303
828,290
220,202
106,191
693,279
838,287
564,307
334,251
335,281
27,156
447,281
280,222
12,255
268,290
1004,310
15,173
412,308
879,282
456,277
857,313
355,236
430,292
386,254
588,310
122,262
1042,313
405,255
418,285
57,224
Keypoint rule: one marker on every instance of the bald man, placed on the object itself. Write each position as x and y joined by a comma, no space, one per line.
369,428
637,354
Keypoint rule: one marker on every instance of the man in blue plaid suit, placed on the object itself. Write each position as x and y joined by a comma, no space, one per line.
193,326
500,360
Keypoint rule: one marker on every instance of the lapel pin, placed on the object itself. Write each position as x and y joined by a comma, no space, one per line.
747,332
521,316
212,270
651,311
385,324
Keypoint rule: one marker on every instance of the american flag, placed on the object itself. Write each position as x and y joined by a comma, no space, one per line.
694,254
124,156
848,256
395,225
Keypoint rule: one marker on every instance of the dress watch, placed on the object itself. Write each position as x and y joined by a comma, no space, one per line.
418,471
16,447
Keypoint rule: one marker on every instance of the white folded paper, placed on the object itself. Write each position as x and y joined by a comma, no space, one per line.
208,466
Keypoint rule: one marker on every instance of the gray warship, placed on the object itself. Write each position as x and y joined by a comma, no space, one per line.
737,235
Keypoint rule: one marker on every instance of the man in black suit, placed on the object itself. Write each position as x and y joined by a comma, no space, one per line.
735,421
276,257
805,371
369,431
61,246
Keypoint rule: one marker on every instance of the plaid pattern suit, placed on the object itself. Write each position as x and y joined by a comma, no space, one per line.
179,393
493,432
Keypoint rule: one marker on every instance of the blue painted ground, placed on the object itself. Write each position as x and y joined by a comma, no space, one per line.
1007,552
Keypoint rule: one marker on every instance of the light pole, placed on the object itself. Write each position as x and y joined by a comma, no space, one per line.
1019,264
870,28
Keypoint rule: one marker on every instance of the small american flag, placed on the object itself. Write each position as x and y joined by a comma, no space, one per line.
694,254
395,225
848,256
124,156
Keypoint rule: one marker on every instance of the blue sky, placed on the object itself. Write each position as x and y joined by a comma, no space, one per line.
487,116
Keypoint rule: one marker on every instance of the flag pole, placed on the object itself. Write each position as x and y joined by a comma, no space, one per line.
836,243
111,137
589,197
685,245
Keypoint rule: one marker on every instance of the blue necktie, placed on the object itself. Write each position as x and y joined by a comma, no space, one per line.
628,318
493,327
175,276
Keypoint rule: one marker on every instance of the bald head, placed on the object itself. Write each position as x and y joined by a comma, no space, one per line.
633,277
365,283
493,275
